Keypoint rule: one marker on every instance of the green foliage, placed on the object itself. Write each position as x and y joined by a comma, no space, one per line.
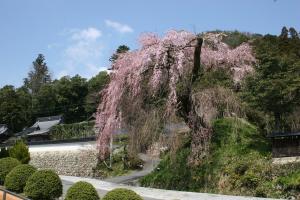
275,87
171,173
82,191
70,131
14,108
214,77
16,179
239,164
6,165
38,76
120,49
95,85
45,101
70,97
235,38
43,185
122,194
20,151
122,163
290,181
4,152
133,162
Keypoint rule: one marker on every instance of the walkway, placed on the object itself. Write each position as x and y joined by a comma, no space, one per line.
150,193
149,165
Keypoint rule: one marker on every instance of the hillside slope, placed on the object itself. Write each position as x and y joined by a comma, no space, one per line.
239,164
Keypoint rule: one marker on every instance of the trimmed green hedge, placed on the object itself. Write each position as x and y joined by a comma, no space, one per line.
72,131
43,185
16,179
20,152
122,194
6,165
82,191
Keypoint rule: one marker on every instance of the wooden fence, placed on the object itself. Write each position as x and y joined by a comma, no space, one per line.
7,195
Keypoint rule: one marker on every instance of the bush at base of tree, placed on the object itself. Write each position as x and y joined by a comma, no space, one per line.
43,185
6,165
16,179
4,153
20,151
122,194
82,191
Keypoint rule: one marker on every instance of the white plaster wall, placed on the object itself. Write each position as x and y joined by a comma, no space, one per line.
78,146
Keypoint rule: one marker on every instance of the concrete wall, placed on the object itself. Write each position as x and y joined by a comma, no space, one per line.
286,160
72,159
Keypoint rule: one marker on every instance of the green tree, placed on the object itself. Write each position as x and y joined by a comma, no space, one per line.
95,85
38,76
284,32
70,96
120,49
13,108
275,87
45,102
25,101
293,33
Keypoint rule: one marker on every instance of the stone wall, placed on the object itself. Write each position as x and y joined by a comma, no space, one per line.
69,163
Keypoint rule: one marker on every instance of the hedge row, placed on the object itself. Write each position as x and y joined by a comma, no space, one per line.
83,190
46,184
72,131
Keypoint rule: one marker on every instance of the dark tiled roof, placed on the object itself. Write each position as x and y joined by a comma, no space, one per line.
281,134
42,126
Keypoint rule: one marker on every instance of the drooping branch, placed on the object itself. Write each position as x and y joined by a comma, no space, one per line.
160,65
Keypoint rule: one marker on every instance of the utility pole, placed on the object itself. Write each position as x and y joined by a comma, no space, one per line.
111,151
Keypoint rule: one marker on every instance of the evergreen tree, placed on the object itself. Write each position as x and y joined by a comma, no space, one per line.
38,76
120,49
13,108
95,85
293,33
275,87
284,32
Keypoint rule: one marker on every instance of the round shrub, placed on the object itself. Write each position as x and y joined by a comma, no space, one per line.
82,190
122,194
6,165
43,184
20,152
16,179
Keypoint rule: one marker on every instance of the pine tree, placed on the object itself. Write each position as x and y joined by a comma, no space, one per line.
38,76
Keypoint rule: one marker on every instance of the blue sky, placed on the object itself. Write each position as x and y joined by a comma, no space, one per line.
78,36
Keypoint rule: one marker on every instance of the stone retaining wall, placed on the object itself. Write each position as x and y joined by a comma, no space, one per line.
70,163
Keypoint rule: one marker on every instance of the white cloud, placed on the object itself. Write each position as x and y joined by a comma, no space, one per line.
53,45
122,28
83,53
87,34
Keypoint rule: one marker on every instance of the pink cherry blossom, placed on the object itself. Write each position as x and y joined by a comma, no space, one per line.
168,58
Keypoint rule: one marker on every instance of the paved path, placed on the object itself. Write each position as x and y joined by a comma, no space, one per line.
149,165
150,193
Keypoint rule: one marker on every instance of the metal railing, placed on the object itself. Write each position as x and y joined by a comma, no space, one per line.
7,195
